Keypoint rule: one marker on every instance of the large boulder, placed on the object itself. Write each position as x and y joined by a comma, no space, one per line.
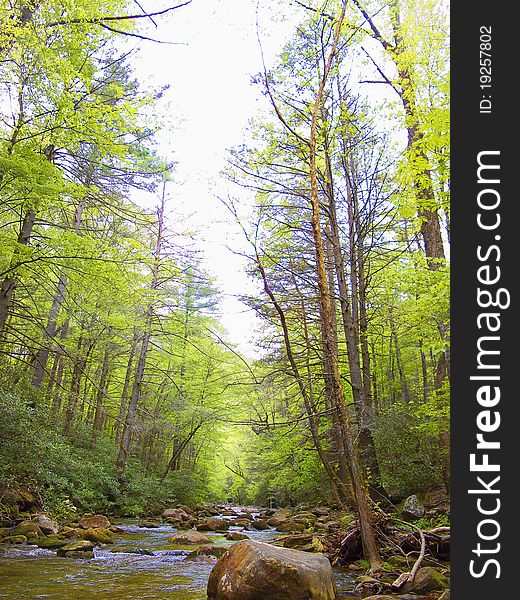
412,508
258,571
93,521
206,509
189,538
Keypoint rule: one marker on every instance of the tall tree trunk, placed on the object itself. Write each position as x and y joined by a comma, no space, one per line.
370,548
131,415
123,407
77,371
331,475
359,375
101,393
9,283
402,376
57,302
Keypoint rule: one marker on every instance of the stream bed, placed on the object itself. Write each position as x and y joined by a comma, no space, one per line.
28,572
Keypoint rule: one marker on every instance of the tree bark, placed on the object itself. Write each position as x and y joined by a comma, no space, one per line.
101,393
370,548
10,282
131,415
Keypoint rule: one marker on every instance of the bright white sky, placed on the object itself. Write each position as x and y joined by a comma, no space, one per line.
211,100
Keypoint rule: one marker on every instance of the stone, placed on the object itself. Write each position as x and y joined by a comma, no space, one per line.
14,539
80,549
30,529
303,542
308,519
148,525
72,532
244,515
115,529
98,535
176,514
206,509
291,526
236,536
412,508
93,521
427,579
189,538
128,549
320,511
212,524
279,517
368,585
52,542
214,551
241,522
257,571
260,524
83,554
46,524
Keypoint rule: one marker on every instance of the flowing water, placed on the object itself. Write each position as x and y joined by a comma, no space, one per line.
29,572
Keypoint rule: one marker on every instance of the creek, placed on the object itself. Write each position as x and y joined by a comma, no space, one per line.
28,572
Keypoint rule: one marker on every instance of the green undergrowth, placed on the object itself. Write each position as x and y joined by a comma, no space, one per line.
70,477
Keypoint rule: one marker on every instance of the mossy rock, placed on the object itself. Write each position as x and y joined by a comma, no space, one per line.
236,536
190,538
291,527
128,549
99,535
79,549
149,525
72,532
30,529
14,539
214,551
308,519
427,580
89,521
52,542
346,519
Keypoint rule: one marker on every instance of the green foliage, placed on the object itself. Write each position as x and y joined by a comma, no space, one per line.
431,522
408,448
34,451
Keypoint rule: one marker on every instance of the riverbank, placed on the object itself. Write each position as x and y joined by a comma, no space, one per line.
148,559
